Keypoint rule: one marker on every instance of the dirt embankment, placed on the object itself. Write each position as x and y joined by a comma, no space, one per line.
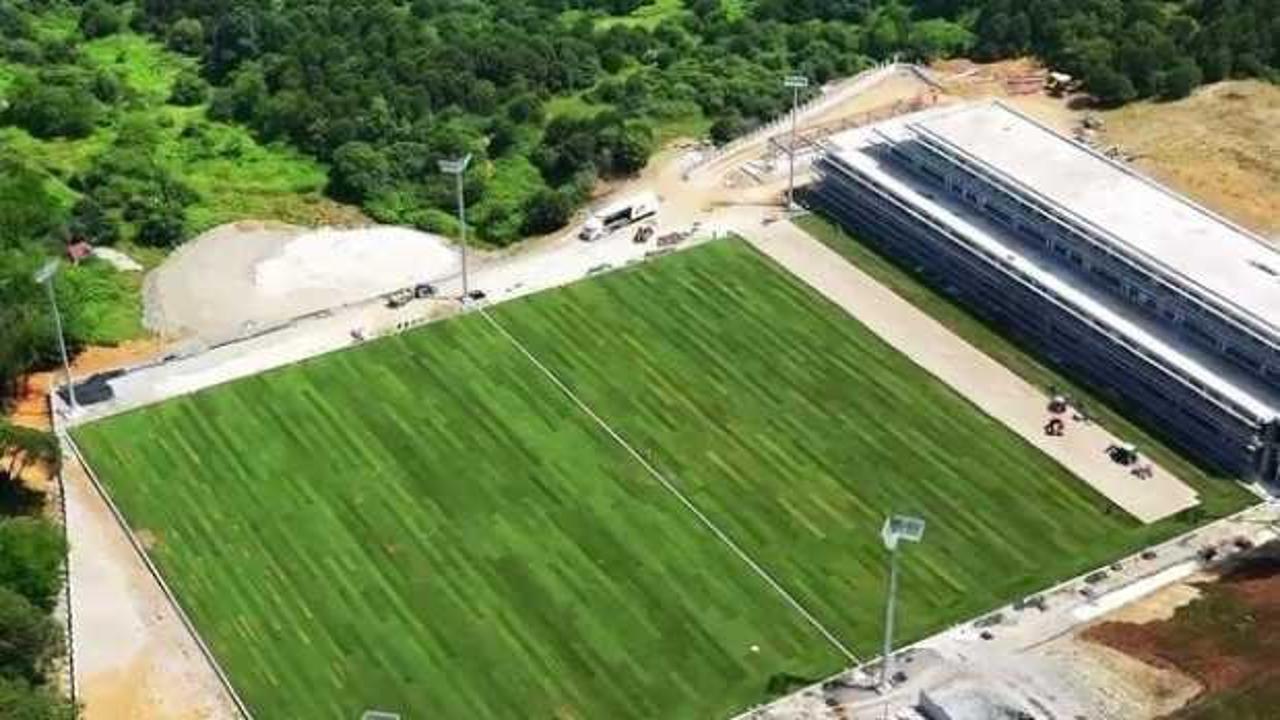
1221,146
31,407
1228,639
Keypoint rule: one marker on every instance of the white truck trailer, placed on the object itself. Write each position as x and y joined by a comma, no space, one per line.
619,214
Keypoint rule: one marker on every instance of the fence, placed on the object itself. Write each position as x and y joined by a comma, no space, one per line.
170,598
61,518
829,95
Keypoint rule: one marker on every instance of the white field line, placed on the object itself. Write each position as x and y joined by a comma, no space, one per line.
684,500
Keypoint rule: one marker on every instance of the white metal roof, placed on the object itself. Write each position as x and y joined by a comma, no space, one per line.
1220,377
1189,242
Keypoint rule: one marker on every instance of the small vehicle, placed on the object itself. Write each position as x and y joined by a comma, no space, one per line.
477,295
424,290
400,298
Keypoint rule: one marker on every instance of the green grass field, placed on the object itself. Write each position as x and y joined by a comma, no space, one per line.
1218,494
427,525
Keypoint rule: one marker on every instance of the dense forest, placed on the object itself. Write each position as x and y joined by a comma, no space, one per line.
382,89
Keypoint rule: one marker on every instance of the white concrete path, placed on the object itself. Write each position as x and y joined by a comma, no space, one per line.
986,383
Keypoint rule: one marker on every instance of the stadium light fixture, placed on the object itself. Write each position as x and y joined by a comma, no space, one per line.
457,168
44,276
897,528
796,83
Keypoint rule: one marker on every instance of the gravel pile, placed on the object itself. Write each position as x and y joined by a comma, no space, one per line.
242,277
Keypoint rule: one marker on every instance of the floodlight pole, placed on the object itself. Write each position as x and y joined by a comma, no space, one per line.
897,528
45,277
458,168
795,82
887,650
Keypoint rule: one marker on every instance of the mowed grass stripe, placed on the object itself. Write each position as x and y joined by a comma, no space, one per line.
693,509
426,526
797,430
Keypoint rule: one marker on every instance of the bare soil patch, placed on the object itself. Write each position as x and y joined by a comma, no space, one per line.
1019,82
1228,639
1221,146
31,407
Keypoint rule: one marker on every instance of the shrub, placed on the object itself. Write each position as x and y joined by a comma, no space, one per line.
29,638
546,211
189,89
19,700
48,111
32,551
99,19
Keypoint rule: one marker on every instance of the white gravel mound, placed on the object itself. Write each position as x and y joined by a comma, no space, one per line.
242,277
354,263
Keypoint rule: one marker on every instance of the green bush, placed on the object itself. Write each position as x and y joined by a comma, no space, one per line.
100,18
32,551
29,638
19,700
546,211
189,89
49,111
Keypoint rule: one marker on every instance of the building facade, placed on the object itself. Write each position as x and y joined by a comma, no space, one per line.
1143,295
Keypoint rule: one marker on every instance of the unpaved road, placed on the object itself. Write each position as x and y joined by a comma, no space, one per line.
134,659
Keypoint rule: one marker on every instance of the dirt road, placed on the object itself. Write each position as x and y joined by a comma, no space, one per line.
133,657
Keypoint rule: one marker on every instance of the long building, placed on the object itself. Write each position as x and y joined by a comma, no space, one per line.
1166,307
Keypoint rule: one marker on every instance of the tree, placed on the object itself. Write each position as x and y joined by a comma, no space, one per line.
727,127
32,551
1181,79
188,89
187,36
631,149
233,41
90,221
244,99
546,211
162,224
503,136
359,172
49,111
1109,86
107,86
29,638
99,18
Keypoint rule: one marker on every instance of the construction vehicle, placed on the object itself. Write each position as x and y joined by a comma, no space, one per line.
399,298
1058,84
619,214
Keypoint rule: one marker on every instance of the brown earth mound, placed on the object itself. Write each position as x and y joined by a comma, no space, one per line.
1228,639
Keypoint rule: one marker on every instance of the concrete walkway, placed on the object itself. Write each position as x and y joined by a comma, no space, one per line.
133,656
986,383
